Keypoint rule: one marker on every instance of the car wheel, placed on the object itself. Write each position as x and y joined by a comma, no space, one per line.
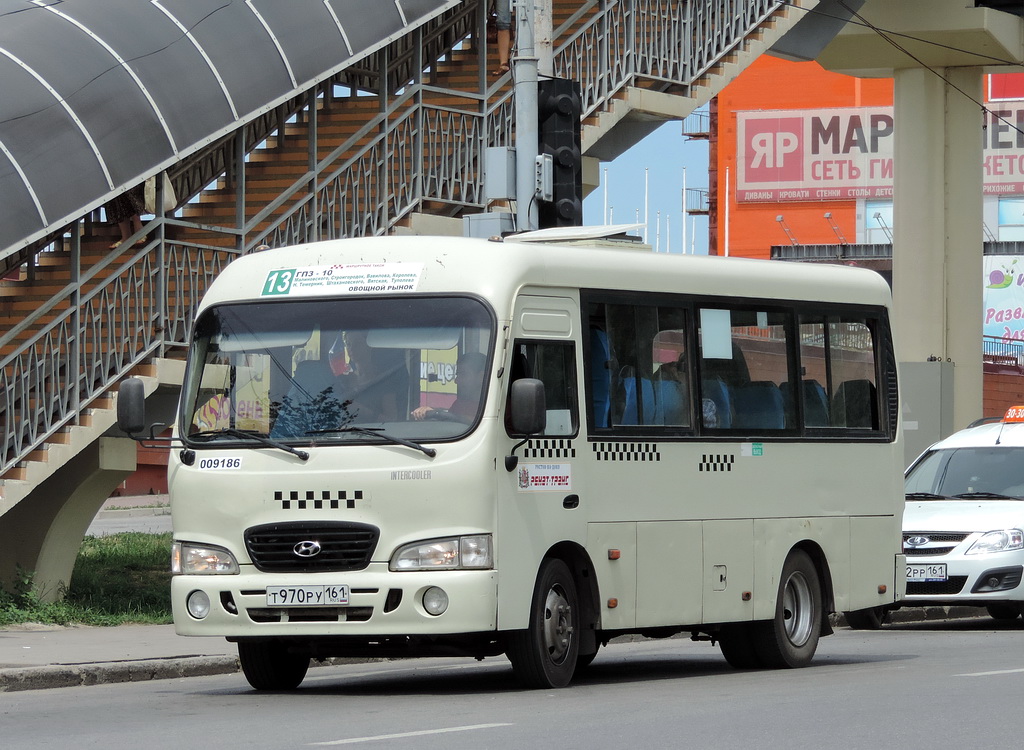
1003,611
866,619
790,638
268,665
545,654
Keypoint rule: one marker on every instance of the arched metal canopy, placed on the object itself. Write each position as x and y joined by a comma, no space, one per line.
97,94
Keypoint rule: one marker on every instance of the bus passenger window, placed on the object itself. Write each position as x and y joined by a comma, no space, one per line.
639,369
838,386
745,366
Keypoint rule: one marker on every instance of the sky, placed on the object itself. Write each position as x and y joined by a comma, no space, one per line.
661,156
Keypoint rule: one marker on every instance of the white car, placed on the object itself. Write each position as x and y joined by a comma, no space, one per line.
963,527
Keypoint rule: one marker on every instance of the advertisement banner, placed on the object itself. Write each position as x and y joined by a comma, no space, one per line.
1003,298
847,153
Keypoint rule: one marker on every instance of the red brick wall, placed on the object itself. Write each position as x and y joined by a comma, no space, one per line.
1002,390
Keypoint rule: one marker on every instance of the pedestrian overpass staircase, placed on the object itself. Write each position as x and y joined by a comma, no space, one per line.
393,143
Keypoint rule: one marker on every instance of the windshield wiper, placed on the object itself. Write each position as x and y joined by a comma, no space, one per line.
379,432
990,495
248,435
925,496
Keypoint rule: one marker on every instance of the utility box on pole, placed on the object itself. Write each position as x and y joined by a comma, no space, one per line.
926,390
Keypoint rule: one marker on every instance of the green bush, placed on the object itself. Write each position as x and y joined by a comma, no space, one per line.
117,579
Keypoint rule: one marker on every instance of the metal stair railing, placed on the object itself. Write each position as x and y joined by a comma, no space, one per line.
421,153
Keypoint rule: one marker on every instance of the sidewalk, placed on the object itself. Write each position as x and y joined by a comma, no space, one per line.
34,657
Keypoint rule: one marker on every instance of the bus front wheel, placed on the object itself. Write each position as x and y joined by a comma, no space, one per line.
544,655
270,666
790,638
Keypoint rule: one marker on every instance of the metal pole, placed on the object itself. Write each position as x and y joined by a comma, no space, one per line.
604,215
727,212
543,31
684,210
527,138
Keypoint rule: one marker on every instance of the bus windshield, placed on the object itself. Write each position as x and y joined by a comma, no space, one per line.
338,370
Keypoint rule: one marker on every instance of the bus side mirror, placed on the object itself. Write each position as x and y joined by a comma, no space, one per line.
131,406
527,413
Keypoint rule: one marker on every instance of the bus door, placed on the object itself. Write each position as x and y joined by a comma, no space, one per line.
543,499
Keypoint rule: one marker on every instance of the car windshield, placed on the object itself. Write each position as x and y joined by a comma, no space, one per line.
968,473
378,371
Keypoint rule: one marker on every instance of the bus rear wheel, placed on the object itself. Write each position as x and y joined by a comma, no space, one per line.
790,638
270,666
545,654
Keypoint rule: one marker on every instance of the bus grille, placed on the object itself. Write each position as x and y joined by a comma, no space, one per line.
342,546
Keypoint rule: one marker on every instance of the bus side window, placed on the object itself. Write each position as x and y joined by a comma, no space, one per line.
638,357
838,365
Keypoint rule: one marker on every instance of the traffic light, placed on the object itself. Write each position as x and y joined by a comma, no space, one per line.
559,106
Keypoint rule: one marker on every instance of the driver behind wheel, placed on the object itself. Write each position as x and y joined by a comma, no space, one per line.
468,384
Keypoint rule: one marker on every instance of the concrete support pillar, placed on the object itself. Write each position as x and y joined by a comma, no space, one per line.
42,534
937,233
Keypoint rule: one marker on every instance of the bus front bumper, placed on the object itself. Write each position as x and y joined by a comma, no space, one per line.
380,603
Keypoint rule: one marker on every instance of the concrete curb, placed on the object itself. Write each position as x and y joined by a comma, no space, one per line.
162,510
103,673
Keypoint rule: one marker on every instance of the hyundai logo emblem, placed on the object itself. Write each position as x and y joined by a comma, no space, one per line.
917,541
307,549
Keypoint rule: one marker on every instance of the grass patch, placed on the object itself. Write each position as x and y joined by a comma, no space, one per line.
118,579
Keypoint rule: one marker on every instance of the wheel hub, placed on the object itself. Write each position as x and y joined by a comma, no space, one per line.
558,624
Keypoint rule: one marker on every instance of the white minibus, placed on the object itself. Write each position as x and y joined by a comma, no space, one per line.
412,446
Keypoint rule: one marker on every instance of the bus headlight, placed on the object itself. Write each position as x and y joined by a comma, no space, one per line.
998,541
201,559
455,553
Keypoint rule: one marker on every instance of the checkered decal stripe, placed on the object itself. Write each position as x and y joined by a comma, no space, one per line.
311,500
717,462
626,452
549,449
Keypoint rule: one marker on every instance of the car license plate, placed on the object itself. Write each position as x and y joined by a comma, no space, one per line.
307,596
926,573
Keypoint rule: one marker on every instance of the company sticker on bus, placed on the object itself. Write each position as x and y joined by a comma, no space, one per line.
363,278
545,477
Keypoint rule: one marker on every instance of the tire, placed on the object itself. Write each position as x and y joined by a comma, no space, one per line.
583,660
738,646
546,653
790,638
1003,611
270,666
866,619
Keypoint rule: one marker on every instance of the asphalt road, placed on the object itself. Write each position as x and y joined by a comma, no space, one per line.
914,685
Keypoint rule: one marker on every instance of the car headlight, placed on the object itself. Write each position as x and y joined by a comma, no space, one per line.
455,553
998,541
188,558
